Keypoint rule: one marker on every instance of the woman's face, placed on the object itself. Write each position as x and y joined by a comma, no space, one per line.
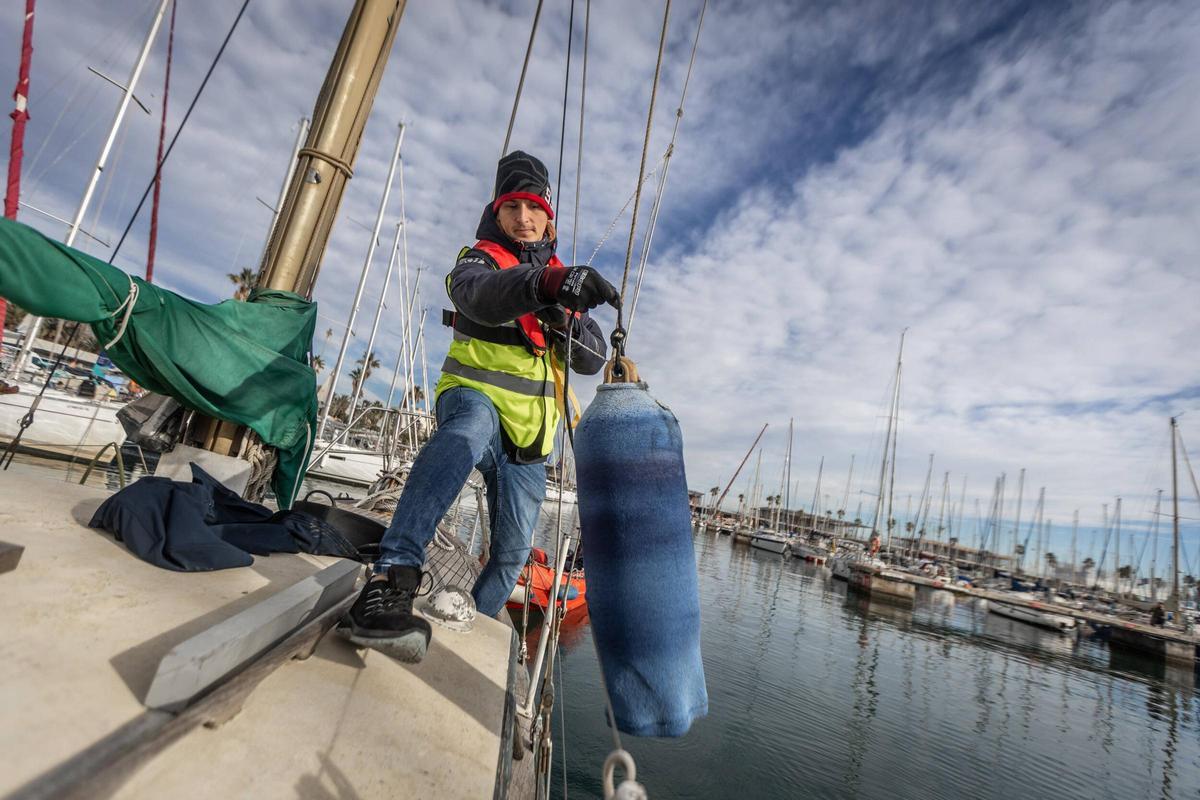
522,220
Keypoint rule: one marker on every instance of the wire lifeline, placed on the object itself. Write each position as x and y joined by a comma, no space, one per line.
537,15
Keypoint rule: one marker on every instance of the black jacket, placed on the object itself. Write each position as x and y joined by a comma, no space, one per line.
491,296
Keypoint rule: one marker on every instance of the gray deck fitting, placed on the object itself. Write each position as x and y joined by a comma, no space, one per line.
10,556
201,661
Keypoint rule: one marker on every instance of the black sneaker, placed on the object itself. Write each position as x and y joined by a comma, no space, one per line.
382,617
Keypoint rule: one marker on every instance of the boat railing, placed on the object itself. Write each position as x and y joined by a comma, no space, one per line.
119,458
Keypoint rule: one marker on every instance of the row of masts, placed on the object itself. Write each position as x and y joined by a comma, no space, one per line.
993,541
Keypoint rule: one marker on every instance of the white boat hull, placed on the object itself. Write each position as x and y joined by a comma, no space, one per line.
349,465
770,543
1033,616
64,425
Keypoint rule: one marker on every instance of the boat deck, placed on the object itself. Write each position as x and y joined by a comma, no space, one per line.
86,624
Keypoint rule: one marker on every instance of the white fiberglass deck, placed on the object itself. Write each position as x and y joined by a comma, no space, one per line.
84,624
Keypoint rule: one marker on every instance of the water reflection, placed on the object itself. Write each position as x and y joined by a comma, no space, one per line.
820,692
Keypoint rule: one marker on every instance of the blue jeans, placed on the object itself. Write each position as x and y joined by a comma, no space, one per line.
468,436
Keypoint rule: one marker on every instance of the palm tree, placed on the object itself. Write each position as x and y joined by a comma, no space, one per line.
371,363
318,363
359,374
244,280
414,397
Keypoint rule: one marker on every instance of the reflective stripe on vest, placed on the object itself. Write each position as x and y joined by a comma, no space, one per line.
501,380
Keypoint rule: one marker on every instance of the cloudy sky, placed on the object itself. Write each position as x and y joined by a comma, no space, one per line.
1016,183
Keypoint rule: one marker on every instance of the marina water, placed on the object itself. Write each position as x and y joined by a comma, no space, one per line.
816,692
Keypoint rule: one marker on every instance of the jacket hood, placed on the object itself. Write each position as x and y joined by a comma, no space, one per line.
536,253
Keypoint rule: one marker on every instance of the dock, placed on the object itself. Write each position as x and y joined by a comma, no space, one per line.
120,679
1173,645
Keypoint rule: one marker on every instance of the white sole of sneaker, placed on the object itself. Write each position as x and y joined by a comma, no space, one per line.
409,648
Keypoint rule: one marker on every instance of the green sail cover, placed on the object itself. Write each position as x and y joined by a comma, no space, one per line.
242,362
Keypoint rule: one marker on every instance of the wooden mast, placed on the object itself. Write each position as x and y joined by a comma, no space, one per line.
323,167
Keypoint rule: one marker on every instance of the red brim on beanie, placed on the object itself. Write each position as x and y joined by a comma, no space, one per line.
530,196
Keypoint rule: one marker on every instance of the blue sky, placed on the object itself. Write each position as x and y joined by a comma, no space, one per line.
1014,182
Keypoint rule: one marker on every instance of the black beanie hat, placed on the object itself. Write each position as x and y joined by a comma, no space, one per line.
520,176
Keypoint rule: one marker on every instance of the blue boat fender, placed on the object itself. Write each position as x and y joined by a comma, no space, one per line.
642,592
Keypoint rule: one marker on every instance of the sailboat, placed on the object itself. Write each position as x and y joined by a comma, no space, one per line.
770,538
862,569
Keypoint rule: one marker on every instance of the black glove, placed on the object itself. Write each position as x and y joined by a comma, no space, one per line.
576,288
554,316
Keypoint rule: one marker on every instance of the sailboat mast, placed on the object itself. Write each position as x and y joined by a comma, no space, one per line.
1174,601
73,231
895,434
370,351
1154,548
1017,521
20,116
424,361
1117,551
742,463
756,490
158,159
816,508
362,283
846,495
1074,534
787,491
942,510
962,501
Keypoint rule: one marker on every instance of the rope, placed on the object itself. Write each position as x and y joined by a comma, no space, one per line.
521,84
337,163
127,306
187,115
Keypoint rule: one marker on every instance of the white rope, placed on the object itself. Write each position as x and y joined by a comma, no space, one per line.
127,306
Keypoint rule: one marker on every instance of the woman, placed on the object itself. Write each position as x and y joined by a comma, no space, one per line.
496,407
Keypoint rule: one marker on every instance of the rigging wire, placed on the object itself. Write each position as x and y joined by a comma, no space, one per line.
182,123
537,15
662,181
612,225
587,24
562,133
662,42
